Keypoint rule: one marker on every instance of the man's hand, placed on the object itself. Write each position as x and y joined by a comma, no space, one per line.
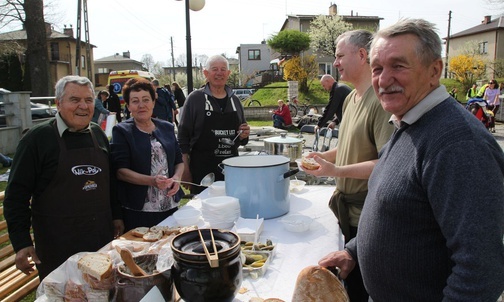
245,131
341,260
26,258
118,227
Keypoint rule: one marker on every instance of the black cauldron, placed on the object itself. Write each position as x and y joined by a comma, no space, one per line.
194,279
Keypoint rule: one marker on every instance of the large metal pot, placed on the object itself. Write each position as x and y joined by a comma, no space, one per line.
261,184
290,147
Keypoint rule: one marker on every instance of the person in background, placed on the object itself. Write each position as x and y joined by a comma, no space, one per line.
179,97
164,106
281,117
98,106
422,236
5,160
147,160
363,132
60,184
491,96
333,112
471,92
114,105
453,93
211,114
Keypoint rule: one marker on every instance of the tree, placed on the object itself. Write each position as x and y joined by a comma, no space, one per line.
290,42
301,69
147,61
467,68
323,33
31,15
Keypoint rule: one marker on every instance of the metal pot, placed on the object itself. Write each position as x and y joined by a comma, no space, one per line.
134,288
290,147
261,184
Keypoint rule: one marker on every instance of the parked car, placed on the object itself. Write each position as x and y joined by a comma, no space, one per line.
243,93
38,111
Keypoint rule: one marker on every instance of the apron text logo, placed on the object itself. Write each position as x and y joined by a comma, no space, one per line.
86,170
89,185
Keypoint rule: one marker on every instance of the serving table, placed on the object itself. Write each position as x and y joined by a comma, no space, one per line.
293,251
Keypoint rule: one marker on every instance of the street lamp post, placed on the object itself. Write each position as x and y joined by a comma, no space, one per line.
194,5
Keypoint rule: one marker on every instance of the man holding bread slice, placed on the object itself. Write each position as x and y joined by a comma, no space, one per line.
60,184
363,131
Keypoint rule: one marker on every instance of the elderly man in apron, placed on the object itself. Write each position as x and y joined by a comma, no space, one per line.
210,115
62,166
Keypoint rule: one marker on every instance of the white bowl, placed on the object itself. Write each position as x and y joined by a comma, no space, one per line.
297,185
297,223
221,202
218,188
187,217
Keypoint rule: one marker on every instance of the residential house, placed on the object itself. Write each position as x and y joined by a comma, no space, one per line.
61,49
302,23
104,66
487,37
252,60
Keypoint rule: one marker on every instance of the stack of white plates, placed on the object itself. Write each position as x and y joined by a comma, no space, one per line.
220,212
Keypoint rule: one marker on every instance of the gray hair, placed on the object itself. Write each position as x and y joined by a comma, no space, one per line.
360,38
429,47
214,59
61,84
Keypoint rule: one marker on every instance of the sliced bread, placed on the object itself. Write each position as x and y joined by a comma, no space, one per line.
152,236
97,265
139,231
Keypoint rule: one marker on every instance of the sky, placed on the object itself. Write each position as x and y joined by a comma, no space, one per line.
148,26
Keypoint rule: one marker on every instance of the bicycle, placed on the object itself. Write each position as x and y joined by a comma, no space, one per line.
296,107
249,102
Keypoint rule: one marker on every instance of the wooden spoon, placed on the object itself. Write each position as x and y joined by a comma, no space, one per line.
127,257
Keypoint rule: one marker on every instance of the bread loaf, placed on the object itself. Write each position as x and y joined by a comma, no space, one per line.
316,283
96,265
309,163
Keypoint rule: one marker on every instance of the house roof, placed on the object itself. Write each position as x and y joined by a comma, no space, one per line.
493,25
346,18
20,35
116,58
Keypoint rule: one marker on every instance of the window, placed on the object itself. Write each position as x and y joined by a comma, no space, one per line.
83,62
55,51
324,68
103,70
483,47
254,54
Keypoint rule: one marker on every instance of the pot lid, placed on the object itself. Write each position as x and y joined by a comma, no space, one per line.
283,139
251,161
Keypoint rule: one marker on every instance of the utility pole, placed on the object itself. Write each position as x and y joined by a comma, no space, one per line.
78,40
447,45
78,59
172,60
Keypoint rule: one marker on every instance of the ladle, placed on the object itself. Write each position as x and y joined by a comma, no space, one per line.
228,141
207,181
127,257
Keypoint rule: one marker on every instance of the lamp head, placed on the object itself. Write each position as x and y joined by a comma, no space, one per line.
196,5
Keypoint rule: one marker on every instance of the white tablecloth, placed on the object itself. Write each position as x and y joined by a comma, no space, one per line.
294,251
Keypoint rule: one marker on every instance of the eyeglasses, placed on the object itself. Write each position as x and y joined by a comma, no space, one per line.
491,83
